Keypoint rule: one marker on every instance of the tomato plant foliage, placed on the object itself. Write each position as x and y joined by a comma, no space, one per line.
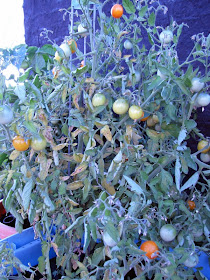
91,171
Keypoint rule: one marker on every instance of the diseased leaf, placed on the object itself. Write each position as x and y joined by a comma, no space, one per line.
107,133
75,185
82,167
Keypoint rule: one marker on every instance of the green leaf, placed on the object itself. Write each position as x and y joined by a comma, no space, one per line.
191,182
3,156
143,11
20,91
23,77
171,111
39,63
190,124
41,264
65,129
30,126
166,179
93,230
151,19
112,231
48,49
155,83
26,194
134,186
182,86
98,255
79,221
128,6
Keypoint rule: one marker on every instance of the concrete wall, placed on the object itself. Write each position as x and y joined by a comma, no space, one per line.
41,14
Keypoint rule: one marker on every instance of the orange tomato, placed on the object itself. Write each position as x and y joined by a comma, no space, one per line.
117,11
144,118
20,144
150,247
191,204
73,45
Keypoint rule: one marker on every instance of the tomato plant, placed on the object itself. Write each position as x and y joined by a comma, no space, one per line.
95,181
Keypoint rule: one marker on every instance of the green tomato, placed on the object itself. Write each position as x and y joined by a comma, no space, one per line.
197,85
6,114
98,99
135,112
203,99
38,143
120,106
166,36
192,261
66,49
128,45
205,157
168,233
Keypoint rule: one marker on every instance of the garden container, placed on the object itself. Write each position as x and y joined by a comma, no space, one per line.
26,249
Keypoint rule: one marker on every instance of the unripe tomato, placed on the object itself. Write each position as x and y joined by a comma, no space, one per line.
108,240
98,99
158,127
205,157
203,99
120,106
161,75
151,249
6,114
155,118
20,144
135,112
168,233
66,49
150,121
73,45
57,57
191,204
117,11
202,144
38,143
128,45
192,261
166,36
197,85
82,30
